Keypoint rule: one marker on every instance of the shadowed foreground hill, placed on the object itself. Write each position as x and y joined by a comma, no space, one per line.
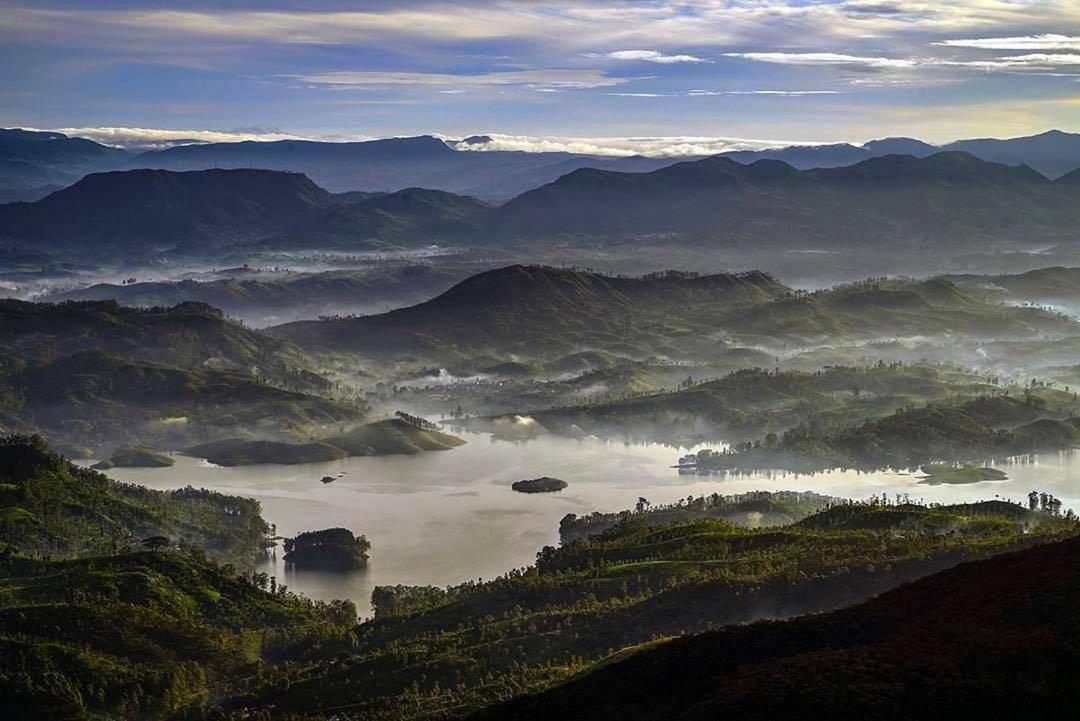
541,309
998,638
441,653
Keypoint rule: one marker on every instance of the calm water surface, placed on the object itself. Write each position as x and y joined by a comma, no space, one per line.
444,517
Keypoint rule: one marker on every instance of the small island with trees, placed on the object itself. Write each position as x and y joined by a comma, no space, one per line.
134,457
331,548
546,484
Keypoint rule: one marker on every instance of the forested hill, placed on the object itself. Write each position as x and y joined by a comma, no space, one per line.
541,310
948,199
185,335
52,509
535,307
148,210
998,638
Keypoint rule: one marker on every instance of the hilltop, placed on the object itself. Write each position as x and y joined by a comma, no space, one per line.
154,210
539,309
145,212
1006,651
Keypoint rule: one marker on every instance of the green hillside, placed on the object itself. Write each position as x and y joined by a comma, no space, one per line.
996,638
51,508
441,653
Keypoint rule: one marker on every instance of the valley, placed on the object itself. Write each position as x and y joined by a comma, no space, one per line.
398,430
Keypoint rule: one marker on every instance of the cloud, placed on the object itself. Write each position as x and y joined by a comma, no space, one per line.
557,79
826,59
650,56
780,93
710,93
1047,41
157,138
1032,61
652,146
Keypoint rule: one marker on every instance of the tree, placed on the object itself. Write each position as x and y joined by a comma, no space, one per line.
642,505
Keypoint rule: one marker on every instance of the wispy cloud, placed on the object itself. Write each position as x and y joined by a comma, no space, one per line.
779,93
556,79
649,56
1047,41
826,59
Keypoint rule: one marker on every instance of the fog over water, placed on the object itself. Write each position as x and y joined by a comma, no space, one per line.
440,518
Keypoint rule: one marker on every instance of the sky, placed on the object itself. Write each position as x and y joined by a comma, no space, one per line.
612,77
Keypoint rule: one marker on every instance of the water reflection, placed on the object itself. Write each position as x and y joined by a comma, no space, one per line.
441,518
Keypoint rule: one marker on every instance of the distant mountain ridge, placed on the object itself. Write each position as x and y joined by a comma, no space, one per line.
34,163
949,199
1053,153
152,211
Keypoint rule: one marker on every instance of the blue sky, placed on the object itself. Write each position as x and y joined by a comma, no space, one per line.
601,76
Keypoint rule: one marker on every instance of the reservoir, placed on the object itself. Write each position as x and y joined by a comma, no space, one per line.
441,518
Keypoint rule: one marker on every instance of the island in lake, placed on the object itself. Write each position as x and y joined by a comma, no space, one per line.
938,473
331,548
134,458
545,484
401,435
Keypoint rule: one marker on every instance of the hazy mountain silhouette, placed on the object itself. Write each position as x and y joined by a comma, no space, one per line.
33,164
946,199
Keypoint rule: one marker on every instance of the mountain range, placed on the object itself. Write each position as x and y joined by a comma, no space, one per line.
948,201
34,163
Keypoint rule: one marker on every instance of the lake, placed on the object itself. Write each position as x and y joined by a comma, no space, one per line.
444,517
